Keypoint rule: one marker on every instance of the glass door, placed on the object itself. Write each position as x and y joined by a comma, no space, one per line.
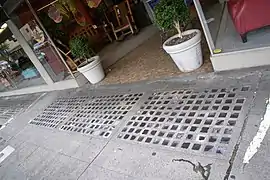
210,15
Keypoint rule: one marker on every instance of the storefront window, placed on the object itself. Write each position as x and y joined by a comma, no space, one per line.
41,44
16,69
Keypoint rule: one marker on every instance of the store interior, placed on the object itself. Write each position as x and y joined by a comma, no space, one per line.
49,26
100,22
226,28
129,53
16,69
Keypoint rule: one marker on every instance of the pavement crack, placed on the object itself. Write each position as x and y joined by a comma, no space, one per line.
203,170
237,146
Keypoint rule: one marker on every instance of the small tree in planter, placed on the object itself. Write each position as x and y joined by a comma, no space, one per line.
172,13
80,48
91,68
185,47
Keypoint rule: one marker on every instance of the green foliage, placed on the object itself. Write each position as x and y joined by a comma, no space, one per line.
100,12
80,47
170,12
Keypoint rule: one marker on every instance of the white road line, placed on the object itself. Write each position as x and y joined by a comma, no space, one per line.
257,140
5,153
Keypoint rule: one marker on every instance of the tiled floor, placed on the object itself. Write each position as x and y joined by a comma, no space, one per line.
148,62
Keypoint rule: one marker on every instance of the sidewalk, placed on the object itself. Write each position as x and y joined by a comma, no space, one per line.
190,128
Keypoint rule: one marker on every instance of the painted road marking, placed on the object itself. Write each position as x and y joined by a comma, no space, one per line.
5,153
257,140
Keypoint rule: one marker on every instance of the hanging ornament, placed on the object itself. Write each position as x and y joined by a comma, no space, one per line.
63,10
93,3
55,14
70,5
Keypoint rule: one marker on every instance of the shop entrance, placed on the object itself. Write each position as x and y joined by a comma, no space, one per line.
237,32
29,61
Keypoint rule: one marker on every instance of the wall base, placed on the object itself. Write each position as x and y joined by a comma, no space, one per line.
67,84
241,59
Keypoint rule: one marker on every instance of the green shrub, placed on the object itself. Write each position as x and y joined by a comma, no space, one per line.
80,47
172,13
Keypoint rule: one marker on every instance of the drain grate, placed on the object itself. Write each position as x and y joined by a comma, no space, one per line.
11,106
101,115
58,111
8,112
188,120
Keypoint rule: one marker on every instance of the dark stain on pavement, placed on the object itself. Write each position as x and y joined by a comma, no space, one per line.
203,170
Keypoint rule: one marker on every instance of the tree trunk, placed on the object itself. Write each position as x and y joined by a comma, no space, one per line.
178,28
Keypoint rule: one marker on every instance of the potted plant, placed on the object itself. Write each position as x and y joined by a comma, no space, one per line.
91,68
184,47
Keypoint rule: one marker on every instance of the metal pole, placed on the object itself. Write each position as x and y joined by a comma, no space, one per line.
49,38
47,5
149,10
205,27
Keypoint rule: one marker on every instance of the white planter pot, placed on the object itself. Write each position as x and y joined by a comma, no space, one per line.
187,55
93,71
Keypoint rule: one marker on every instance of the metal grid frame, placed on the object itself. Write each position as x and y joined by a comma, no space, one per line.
201,121
11,106
58,111
7,112
101,115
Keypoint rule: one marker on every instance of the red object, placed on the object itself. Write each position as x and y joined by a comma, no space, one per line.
248,15
82,9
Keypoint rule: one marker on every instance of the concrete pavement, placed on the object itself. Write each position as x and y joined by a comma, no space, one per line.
192,127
